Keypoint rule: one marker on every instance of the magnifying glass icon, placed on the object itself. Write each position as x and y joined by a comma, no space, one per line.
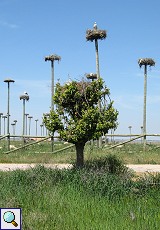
9,217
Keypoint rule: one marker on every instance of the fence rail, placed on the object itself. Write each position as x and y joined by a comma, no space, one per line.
43,138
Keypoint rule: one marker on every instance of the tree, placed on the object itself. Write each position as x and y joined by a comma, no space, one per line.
77,117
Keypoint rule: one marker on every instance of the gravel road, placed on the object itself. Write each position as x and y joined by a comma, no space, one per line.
137,168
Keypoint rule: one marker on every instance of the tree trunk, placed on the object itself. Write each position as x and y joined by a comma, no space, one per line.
80,154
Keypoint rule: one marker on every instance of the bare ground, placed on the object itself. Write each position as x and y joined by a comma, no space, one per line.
137,168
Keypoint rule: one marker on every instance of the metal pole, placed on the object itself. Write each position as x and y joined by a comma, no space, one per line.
52,85
144,108
24,97
13,126
8,81
97,59
99,142
41,129
8,120
29,126
26,114
52,102
30,117
36,126
111,135
130,127
52,58
141,133
0,124
4,117
15,121
23,132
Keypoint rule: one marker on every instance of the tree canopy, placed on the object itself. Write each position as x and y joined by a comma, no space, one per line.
78,117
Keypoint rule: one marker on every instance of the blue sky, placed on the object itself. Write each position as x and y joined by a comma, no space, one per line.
32,29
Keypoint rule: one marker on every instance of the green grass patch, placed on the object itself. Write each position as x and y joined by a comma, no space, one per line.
97,197
41,153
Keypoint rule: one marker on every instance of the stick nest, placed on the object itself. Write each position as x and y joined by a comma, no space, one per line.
53,57
91,76
146,61
95,35
24,97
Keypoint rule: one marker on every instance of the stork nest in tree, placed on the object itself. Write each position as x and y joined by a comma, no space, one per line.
146,61
53,57
24,97
91,76
95,35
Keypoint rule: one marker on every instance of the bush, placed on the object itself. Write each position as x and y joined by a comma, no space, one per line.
110,164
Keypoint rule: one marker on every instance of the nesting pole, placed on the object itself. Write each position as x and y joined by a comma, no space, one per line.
30,117
130,128
145,62
141,133
8,81
94,35
52,58
36,125
15,121
4,124
1,114
13,127
91,76
41,128
24,97
26,114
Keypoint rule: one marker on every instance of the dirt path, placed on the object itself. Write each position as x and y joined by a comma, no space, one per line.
137,168
11,167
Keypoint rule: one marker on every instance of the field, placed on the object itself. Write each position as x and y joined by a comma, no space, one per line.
102,196
41,153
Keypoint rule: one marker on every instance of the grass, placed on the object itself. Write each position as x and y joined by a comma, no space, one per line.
41,153
104,195
94,198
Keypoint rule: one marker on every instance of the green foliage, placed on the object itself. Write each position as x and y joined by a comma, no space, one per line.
52,122
77,106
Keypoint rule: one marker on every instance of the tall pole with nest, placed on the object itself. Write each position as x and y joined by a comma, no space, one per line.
24,97
26,114
36,125
30,117
15,121
145,62
130,128
94,35
52,58
8,81
1,114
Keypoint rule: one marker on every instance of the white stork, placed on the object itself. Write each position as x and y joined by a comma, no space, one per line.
95,26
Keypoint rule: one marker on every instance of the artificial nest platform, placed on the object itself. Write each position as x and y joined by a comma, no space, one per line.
146,61
91,76
95,35
53,57
24,97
